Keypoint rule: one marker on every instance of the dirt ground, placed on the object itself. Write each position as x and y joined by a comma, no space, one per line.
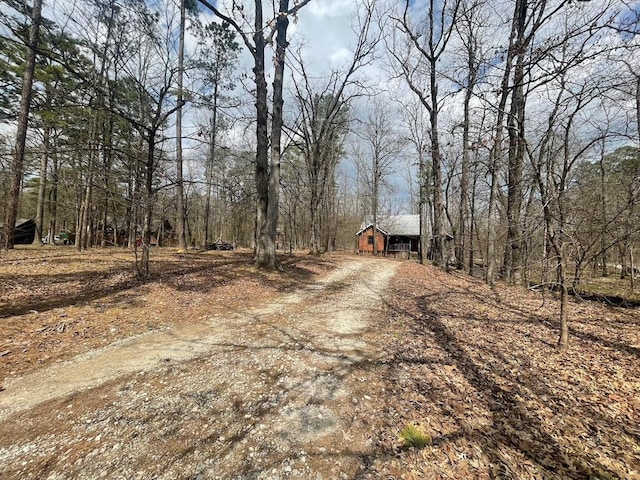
213,370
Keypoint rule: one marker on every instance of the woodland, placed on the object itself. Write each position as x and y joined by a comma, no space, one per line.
137,136
510,125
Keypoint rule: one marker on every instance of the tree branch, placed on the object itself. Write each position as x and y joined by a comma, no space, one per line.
231,22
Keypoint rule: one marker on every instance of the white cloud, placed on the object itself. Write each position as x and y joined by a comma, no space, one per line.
340,55
330,9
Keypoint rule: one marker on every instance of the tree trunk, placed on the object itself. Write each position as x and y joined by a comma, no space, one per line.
180,220
268,258
53,199
374,205
148,204
603,215
86,212
211,164
463,215
472,221
105,220
84,230
314,200
496,152
44,160
263,252
563,341
438,214
23,123
491,215
135,201
515,130
439,235
107,156
633,269
267,174
423,206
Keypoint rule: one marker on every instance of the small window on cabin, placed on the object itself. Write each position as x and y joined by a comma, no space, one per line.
370,240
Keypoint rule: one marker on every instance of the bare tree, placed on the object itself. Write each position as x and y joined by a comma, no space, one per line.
554,161
267,169
413,115
425,41
467,28
180,208
558,151
323,115
378,148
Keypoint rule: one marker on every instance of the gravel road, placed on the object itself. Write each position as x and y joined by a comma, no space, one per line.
283,391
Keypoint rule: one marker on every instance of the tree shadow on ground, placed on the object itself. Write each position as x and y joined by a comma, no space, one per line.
42,292
502,381
577,325
56,291
233,420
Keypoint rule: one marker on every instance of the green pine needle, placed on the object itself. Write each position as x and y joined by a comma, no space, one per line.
414,437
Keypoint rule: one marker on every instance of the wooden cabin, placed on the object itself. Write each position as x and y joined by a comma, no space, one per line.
396,235
366,243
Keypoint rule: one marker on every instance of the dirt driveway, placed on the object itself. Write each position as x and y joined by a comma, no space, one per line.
286,390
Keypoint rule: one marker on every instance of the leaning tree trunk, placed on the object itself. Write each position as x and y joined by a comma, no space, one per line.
23,122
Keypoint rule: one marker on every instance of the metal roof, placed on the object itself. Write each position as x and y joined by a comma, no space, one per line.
400,225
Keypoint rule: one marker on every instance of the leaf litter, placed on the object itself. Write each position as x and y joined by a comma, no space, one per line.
474,368
479,368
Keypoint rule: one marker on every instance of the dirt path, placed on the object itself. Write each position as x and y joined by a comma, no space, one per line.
275,392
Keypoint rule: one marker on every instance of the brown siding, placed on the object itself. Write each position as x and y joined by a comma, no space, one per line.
363,242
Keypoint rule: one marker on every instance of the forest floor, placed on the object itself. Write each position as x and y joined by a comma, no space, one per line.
214,370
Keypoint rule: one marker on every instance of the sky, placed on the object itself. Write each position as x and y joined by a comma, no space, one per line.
323,31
